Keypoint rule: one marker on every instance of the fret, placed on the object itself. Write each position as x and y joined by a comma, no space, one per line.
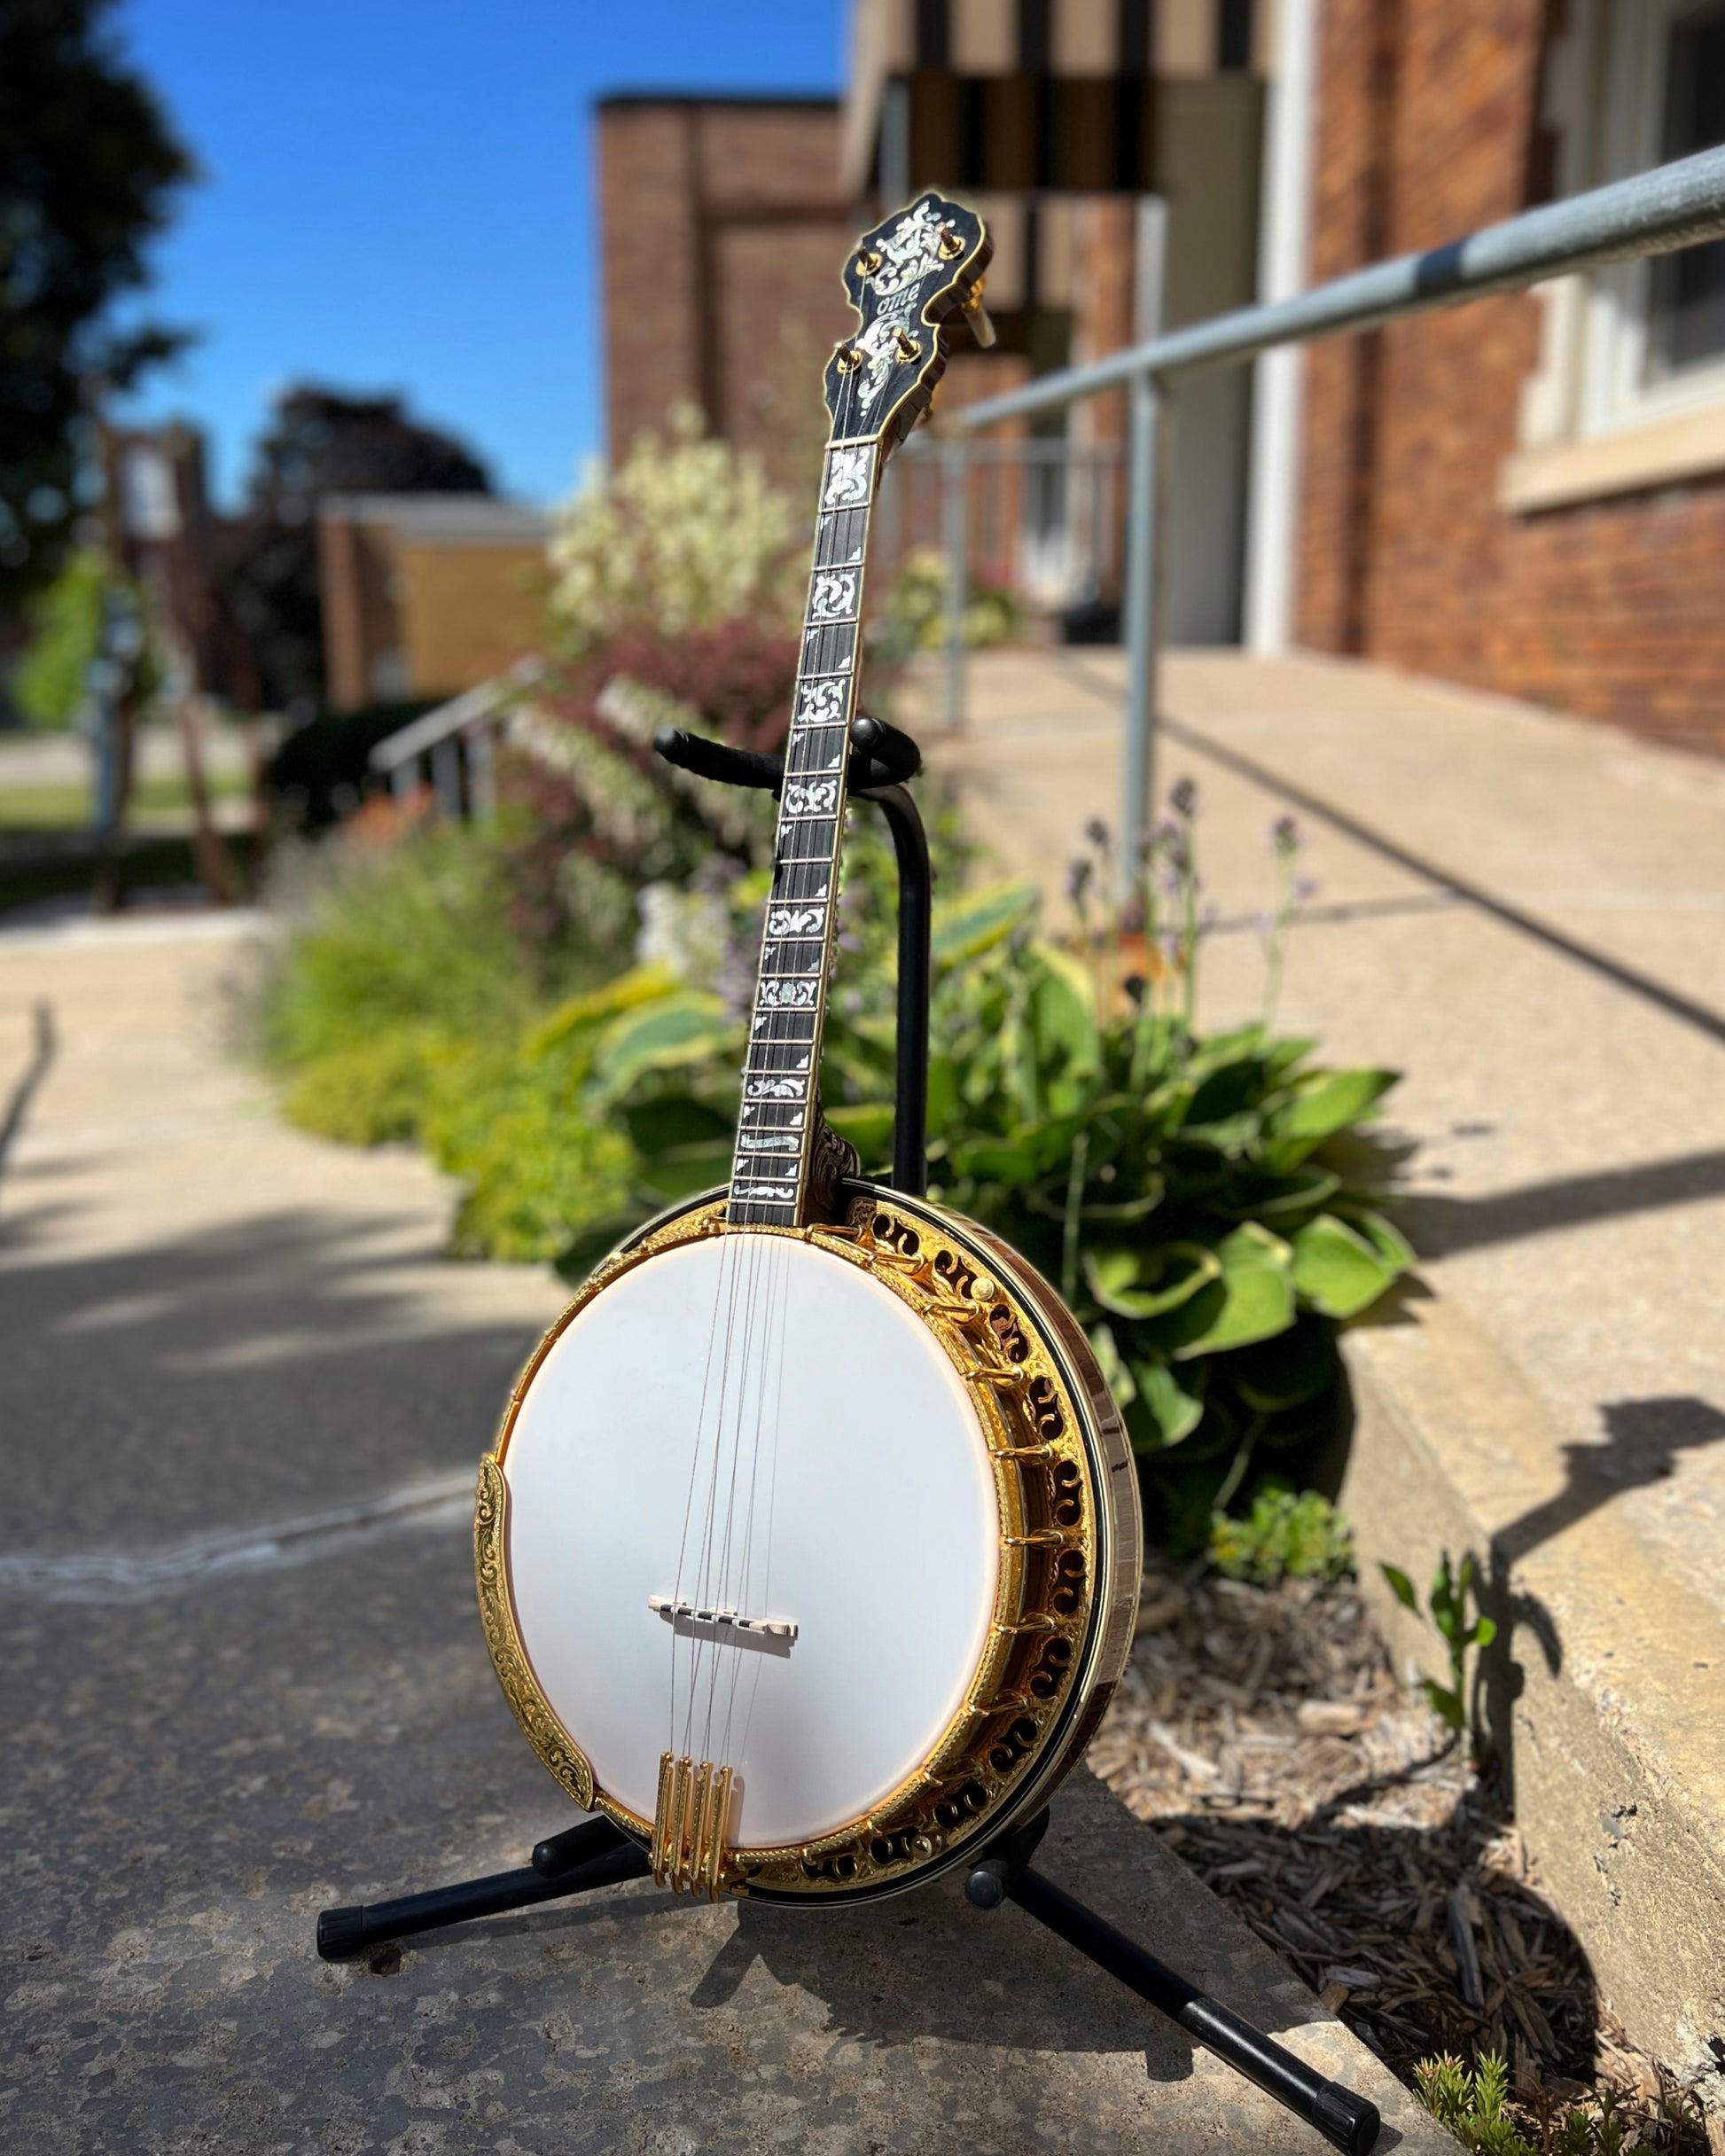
828,647
841,537
806,841
815,749
795,960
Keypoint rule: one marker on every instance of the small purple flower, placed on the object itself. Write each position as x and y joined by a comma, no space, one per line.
1097,831
1183,798
1306,887
1077,879
847,942
1284,836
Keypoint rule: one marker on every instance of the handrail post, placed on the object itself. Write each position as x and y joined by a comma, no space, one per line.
955,543
1143,478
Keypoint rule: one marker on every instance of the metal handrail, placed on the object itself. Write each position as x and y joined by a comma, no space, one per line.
1654,213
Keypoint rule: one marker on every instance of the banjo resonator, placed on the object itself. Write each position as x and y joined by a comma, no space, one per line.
810,1391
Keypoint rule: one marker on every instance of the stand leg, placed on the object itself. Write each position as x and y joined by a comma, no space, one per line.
1347,2121
608,1858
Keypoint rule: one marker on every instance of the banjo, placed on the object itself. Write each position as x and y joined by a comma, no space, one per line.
809,1552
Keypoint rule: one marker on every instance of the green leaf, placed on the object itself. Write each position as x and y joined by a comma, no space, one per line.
1444,1701
685,1170
1176,1411
1336,1270
1259,1296
1231,1136
1294,1367
867,1124
593,1244
1304,1189
1063,1010
1391,1245
1135,1282
1401,1587
1321,1103
642,984
1118,1375
974,923
668,1033
994,1160
1485,1632
658,1126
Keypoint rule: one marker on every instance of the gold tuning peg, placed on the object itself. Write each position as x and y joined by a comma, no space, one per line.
908,348
982,327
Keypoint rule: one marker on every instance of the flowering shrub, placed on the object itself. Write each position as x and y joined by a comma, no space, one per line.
686,533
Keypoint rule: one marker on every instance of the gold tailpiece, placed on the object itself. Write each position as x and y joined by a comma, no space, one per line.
688,1826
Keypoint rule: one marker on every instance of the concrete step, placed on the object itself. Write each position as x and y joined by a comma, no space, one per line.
1525,914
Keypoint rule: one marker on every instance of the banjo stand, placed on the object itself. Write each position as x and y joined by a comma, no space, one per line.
596,1854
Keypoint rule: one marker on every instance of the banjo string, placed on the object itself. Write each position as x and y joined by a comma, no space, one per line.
752,1357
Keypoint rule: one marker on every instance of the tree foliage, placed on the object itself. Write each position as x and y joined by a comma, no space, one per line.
89,169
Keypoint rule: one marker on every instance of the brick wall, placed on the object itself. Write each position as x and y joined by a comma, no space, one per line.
724,236
1427,128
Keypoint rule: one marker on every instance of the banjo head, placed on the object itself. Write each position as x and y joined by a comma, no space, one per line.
842,1515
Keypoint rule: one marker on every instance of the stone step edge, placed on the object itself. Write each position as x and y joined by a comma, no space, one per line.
1605,1693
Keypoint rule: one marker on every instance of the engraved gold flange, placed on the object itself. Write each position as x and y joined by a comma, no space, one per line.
1068,1576
543,1732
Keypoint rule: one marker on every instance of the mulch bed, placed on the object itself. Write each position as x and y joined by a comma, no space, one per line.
1261,1732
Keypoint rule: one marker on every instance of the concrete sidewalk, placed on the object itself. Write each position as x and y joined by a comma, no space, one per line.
1526,916
241,1398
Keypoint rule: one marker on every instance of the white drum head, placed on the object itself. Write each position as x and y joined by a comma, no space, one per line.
752,1425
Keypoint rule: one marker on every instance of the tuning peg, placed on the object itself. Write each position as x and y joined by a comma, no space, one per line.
982,327
908,348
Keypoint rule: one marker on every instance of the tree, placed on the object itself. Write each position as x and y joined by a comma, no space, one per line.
88,168
321,443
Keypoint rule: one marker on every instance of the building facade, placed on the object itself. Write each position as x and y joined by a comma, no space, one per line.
426,594
1527,494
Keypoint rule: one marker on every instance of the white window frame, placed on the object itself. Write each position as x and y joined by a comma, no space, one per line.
1590,425
1615,390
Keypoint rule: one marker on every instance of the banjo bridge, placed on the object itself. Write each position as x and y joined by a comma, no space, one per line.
690,1823
722,1620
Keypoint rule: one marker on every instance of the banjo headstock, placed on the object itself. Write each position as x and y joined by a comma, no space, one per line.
909,279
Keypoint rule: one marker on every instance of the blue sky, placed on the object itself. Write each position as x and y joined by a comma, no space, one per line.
398,194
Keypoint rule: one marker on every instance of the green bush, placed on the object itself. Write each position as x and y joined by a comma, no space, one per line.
1177,1188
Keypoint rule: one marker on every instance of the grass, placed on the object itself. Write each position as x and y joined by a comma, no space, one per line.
59,807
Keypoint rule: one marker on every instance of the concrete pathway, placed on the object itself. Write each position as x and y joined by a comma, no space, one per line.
1526,916
241,1397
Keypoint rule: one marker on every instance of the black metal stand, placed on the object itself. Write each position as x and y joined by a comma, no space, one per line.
595,1854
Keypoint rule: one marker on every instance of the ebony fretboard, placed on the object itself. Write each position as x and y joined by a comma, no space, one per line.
769,1177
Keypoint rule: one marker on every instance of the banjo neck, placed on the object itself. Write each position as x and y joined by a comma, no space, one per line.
909,280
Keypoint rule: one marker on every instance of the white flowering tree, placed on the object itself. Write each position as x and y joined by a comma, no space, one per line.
686,533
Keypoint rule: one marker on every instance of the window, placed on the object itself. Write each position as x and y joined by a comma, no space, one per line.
1630,389
1686,305
1658,342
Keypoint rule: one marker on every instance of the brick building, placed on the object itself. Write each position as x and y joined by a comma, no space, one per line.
1528,494
425,594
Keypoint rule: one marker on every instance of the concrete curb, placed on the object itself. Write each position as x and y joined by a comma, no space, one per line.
1605,1693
